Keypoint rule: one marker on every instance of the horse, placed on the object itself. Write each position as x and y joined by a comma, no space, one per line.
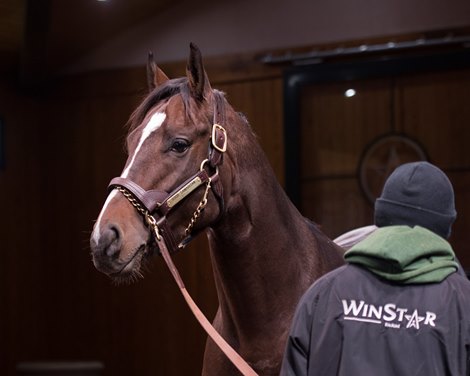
196,163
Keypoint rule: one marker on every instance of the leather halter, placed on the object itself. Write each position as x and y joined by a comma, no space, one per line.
160,203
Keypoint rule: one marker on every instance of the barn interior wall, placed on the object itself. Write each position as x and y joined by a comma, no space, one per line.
62,148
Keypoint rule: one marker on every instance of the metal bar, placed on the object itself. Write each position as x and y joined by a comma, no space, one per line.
317,56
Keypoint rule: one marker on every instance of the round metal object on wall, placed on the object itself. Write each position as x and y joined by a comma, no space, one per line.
381,157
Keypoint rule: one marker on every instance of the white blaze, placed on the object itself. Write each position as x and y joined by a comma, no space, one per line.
154,123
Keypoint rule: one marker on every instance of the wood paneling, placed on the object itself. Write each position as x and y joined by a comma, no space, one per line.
335,204
261,102
21,230
335,130
336,127
434,109
429,108
11,32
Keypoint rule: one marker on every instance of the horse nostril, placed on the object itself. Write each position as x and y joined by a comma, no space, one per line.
115,230
111,241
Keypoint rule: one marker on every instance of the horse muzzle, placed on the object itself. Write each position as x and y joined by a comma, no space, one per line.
110,255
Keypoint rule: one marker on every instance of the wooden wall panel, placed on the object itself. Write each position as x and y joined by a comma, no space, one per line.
435,110
429,108
335,128
459,236
21,187
261,103
335,204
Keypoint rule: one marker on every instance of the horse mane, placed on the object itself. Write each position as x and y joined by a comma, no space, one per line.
163,92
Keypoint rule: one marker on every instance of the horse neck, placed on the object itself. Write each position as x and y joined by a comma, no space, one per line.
263,252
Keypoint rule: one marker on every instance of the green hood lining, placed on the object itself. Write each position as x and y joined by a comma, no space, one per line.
405,254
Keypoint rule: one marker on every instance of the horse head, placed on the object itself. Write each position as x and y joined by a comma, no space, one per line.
176,143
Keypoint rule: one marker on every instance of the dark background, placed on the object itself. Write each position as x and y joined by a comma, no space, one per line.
62,141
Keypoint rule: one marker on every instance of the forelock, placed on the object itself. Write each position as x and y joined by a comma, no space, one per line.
162,93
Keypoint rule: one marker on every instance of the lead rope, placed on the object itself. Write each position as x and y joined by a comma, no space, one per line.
234,357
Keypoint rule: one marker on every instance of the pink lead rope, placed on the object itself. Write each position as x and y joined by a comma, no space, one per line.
234,357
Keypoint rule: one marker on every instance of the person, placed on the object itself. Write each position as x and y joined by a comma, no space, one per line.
397,307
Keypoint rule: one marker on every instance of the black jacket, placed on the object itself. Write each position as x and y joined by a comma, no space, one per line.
352,322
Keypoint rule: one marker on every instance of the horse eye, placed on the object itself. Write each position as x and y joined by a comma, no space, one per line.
180,146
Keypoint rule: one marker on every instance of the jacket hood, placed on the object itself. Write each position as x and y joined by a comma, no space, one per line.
405,255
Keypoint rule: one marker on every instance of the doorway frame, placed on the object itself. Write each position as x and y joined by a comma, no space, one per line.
296,78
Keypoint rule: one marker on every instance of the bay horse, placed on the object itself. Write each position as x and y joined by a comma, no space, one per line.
196,163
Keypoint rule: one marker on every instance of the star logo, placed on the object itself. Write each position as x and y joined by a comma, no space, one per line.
414,319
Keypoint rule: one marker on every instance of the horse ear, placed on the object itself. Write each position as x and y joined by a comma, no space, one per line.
155,76
198,81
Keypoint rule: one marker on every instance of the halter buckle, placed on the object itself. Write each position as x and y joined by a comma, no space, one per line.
219,134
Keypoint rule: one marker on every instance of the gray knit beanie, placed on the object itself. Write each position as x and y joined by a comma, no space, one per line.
417,194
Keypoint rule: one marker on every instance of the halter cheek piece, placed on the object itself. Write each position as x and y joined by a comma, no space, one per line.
154,205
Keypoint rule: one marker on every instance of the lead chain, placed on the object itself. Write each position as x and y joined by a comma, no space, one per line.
132,200
199,209
149,219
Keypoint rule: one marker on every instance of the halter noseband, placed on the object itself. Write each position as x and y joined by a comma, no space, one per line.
154,205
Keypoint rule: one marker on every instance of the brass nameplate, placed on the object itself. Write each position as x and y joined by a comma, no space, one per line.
184,191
